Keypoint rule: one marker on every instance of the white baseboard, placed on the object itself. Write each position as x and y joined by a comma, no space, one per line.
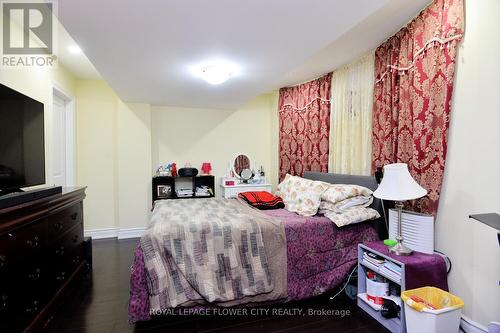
469,326
101,233
131,233
115,233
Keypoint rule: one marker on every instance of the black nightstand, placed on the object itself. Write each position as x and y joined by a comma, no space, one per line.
164,186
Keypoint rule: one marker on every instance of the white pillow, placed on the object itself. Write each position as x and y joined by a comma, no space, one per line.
301,196
339,192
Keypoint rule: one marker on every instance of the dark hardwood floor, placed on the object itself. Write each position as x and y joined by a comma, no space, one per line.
100,306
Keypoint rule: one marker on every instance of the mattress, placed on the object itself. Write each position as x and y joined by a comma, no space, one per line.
320,256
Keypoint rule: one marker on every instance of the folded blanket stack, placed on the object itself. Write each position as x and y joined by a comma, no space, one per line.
347,204
343,204
262,200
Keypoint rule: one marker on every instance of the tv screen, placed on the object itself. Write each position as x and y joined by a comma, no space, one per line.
22,152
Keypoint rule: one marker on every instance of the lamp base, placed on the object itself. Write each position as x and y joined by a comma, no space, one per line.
400,250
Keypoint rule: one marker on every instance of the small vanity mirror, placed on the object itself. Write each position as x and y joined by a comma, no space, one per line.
242,167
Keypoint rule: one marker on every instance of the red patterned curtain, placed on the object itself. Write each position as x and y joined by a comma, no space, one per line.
304,120
414,72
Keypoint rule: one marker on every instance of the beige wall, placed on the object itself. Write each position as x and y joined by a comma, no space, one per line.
96,118
198,135
113,157
134,164
120,146
472,175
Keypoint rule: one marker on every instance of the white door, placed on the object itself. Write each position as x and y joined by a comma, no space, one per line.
59,141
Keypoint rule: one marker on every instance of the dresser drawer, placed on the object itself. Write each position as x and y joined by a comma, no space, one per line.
26,274
62,270
65,255
22,243
27,278
11,319
41,245
33,277
7,305
19,308
66,244
64,220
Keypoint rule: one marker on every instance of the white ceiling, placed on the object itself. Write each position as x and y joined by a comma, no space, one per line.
145,49
78,64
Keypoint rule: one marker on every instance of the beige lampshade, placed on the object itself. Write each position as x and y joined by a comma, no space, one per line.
398,184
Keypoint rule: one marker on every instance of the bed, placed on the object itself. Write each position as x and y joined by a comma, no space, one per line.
319,255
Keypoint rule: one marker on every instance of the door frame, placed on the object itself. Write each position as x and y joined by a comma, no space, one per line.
70,125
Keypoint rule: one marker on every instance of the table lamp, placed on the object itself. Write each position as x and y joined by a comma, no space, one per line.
398,185
206,167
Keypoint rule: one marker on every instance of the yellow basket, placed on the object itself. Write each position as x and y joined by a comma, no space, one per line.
441,300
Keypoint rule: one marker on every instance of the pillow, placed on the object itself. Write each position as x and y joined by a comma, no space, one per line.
352,216
341,206
338,192
301,196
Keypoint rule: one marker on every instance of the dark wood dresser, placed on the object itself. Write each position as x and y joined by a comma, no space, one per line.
42,256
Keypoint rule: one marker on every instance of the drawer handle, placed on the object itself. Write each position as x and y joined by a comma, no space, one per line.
75,238
61,276
74,216
60,251
3,261
34,242
58,226
33,308
35,275
4,302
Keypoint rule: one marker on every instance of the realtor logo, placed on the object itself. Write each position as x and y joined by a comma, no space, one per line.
27,34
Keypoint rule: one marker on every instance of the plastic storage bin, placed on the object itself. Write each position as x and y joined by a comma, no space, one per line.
420,317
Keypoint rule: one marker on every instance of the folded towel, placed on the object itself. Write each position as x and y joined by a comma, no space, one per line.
262,200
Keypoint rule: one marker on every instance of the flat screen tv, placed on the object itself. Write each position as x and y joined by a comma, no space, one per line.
22,152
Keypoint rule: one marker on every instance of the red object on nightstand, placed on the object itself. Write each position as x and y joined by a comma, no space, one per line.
174,170
206,167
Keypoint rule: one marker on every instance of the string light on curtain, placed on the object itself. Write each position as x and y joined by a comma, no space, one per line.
304,123
291,107
434,42
412,97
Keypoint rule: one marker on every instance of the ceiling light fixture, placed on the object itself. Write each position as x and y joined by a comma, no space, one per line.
215,74
74,49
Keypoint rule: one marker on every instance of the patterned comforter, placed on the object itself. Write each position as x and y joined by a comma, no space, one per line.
319,256
212,251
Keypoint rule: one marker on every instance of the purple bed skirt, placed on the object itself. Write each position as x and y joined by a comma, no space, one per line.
320,255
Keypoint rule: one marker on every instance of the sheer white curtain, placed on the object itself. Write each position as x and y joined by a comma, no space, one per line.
351,117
